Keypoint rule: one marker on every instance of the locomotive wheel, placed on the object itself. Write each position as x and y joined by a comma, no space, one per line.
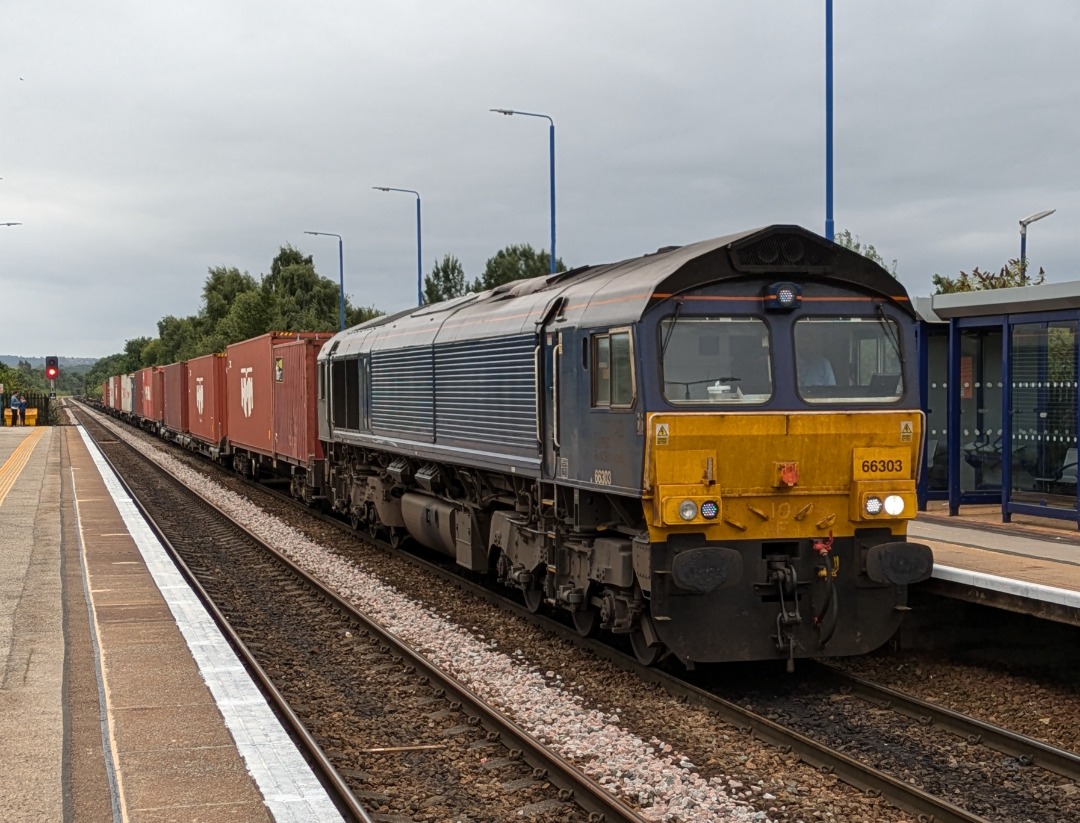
586,622
397,536
646,655
534,599
373,524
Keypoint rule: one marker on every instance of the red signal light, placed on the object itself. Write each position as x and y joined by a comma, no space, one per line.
52,367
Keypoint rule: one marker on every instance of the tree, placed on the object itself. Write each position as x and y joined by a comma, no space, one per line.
297,297
851,241
249,316
360,314
517,262
179,340
222,287
1012,274
447,279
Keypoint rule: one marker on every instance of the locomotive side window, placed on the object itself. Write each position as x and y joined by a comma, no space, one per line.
347,410
352,393
848,360
613,370
337,394
716,360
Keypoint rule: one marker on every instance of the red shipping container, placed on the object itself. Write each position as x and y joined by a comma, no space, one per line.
296,425
251,377
105,394
136,394
175,416
150,405
206,399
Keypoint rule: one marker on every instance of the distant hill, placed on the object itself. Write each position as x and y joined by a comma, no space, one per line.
79,363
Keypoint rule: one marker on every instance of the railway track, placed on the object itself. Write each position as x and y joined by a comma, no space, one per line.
320,660
842,756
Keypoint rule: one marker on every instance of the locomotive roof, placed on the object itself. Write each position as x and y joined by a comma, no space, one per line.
620,293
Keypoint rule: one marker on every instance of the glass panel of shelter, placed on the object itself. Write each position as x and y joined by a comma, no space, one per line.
980,392
1044,393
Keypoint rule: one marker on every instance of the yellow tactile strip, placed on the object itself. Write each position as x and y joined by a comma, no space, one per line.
14,465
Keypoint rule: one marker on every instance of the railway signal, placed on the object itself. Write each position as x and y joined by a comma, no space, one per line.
52,367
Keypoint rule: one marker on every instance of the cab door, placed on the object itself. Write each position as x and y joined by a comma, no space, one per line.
550,354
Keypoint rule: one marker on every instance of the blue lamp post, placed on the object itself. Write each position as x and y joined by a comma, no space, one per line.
419,251
1023,236
341,271
829,233
551,154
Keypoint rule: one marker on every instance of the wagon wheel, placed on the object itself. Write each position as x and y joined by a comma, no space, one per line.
397,536
373,524
534,599
646,655
587,621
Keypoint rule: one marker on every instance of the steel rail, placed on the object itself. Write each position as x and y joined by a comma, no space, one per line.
901,794
862,776
1027,750
575,784
342,795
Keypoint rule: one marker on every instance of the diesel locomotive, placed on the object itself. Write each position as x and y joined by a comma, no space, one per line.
712,449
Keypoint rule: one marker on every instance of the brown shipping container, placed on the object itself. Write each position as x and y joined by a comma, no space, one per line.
151,394
175,397
250,381
206,399
296,427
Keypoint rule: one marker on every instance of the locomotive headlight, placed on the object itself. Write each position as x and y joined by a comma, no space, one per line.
709,509
873,504
688,510
894,505
782,297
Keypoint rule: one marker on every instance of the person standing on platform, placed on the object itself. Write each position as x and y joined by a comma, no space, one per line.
14,408
22,409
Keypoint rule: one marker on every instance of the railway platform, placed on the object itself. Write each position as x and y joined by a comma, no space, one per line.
119,698
1030,566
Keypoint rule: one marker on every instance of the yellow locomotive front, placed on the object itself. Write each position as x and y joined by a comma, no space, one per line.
779,480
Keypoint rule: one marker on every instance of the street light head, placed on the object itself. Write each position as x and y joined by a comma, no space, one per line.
381,188
1037,216
502,111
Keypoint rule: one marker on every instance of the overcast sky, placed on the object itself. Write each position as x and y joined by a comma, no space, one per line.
143,143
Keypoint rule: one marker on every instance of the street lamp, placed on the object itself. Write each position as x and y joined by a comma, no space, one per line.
1023,235
10,224
341,270
419,252
551,152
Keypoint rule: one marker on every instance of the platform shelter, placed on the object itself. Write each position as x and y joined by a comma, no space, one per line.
1000,379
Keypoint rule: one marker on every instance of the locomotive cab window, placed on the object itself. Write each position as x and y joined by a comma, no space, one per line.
848,360
613,370
716,360
347,410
